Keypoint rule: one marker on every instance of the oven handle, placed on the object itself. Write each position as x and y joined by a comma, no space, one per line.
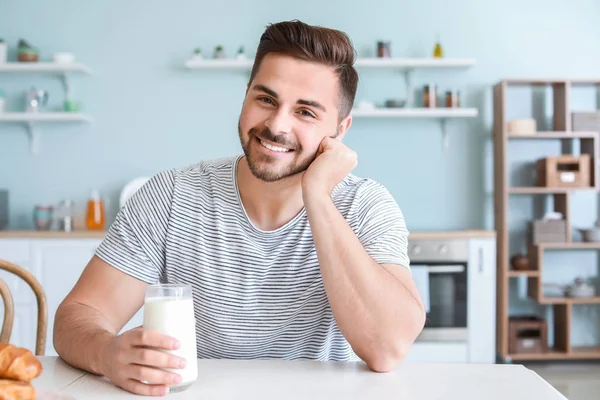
444,269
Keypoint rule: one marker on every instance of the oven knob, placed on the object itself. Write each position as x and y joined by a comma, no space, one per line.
443,249
416,250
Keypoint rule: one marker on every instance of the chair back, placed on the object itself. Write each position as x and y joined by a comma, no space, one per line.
42,321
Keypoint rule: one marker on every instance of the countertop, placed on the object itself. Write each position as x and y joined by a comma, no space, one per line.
279,379
84,234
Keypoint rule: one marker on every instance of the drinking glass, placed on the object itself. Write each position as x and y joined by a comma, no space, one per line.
169,309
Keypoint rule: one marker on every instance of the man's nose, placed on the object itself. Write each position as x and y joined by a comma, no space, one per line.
280,122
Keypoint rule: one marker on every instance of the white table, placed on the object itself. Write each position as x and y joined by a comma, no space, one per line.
248,380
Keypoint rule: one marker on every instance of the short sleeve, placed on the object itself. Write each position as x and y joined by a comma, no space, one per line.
380,225
135,242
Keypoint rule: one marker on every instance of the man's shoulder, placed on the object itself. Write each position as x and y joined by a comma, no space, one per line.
356,188
205,167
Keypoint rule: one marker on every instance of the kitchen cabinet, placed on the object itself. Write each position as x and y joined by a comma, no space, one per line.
57,264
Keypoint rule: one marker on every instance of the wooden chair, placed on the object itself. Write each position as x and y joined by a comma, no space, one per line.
42,323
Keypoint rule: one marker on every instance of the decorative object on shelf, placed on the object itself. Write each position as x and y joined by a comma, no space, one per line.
586,121
452,98
590,234
429,96
3,208
364,105
564,171
2,100
95,215
438,51
27,52
42,217
580,288
395,103
383,49
219,52
240,55
63,58
71,105
64,215
35,99
527,334
197,55
3,51
520,262
552,228
523,126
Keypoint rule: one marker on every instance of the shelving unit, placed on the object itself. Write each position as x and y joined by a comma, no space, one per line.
407,66
30,120
562,306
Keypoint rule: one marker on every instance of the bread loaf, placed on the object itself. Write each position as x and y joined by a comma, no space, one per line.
18,363
16,390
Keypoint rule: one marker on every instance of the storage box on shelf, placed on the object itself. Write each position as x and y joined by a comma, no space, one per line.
557,176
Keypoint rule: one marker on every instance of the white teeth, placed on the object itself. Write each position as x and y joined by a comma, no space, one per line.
274,148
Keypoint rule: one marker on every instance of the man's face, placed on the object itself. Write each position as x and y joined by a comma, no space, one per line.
290,106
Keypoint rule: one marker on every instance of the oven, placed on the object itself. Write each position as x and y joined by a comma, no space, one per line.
439,269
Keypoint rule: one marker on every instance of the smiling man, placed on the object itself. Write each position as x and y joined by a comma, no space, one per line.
289,254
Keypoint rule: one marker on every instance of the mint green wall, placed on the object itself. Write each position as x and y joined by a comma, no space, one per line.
150,114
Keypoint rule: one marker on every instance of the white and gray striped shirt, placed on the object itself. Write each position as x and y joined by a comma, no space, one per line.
257,294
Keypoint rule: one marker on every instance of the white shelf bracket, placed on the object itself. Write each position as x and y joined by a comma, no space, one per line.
445,140
33,138
409,75
66,84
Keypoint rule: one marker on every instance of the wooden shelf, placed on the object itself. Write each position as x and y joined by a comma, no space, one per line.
569,300
570,245
530,274
391,63
588,352
554,135
43,67
415,113
545,190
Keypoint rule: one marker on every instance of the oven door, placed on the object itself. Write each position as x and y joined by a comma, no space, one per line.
443,287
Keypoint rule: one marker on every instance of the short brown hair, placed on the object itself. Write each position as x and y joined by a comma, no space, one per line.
313,43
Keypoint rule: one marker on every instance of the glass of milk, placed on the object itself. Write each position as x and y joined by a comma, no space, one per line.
169,309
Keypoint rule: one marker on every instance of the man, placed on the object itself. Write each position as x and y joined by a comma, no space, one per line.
289,254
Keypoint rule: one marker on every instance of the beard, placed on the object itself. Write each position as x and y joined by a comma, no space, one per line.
264,166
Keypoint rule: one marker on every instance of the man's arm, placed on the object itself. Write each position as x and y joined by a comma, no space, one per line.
86,330
377,307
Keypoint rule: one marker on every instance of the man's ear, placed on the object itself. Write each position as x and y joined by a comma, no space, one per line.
344,126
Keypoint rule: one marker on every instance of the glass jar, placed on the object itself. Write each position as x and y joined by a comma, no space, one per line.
429,95
452,98
42,217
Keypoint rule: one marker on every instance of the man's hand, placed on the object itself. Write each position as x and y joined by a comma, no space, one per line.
129,362
333,162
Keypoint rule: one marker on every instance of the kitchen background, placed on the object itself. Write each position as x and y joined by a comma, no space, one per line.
149,113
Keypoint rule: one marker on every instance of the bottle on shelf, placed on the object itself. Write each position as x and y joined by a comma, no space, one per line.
95,216
438,52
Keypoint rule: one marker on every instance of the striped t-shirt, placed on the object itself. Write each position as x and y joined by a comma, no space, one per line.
257,294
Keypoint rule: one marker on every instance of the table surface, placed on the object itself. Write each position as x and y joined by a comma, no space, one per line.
277,379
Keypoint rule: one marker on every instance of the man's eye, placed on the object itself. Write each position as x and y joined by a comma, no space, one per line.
266,100
307,113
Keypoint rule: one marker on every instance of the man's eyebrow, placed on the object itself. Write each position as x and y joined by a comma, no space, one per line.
312,103
263,88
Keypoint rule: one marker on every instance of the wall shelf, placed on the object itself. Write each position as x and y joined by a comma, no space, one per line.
30,120
44,67
392,63
64,70
562,307
415,113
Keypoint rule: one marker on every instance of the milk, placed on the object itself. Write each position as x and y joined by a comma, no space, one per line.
175,317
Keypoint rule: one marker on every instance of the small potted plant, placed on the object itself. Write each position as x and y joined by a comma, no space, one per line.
26,52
